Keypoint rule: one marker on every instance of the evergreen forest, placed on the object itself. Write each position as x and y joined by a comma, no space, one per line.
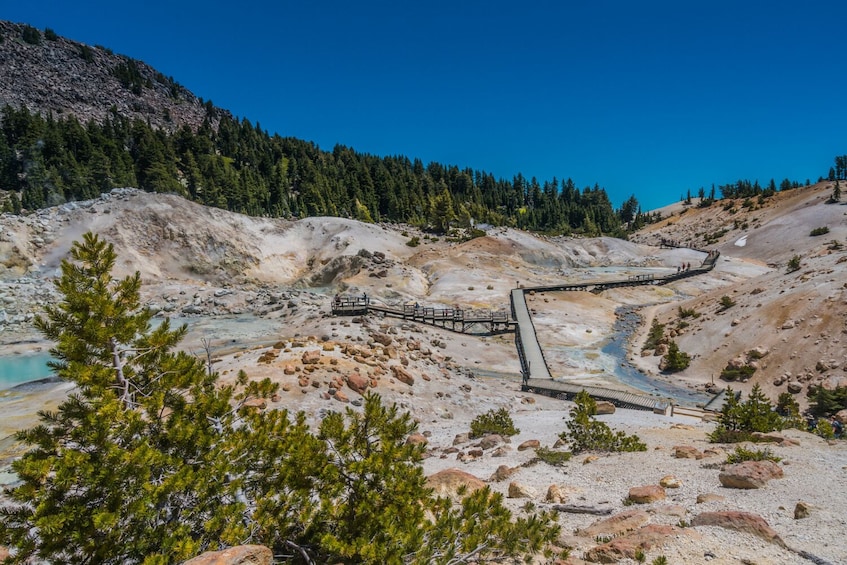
45,161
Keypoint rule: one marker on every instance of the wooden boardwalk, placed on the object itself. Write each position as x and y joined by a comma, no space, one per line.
454,319
566,391
536,374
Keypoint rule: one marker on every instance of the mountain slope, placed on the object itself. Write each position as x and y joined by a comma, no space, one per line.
62,77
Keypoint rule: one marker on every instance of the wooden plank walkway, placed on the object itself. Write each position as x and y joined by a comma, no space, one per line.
567,391
454,319
536,374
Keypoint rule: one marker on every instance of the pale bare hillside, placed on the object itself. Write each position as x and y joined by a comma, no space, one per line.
796,320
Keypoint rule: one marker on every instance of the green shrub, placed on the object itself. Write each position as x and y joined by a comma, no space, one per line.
793,264
31,35
660,560
654,338
584,433
726,302
493,422
688,313
824,429
675,360
823,230
414,242
50,35
740,373
824,402
738,421
742,454
553,457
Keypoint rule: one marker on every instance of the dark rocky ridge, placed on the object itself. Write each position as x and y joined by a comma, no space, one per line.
53,77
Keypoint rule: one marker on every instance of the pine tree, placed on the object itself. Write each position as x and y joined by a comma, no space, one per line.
152,460
133,464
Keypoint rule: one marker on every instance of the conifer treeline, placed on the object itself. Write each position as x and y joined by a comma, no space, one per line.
239,167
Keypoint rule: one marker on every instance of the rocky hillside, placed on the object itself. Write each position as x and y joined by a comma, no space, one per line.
50,74
787,324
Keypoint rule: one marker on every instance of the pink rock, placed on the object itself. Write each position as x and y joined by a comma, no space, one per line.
750,474
646,494
740,522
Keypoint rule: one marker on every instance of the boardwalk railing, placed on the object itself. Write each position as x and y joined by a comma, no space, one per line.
455,319
536,374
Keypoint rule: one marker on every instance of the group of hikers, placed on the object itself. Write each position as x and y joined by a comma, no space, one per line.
837,426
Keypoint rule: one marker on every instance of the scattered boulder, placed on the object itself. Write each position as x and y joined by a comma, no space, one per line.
740,522
841,416
449,481
646,494
357,383
709,497
312,357
491,440
519,490
529,444
256,403
802,510
555,494
461,438
417,439
605,407
402,375
616,525
502,473
626,547
669,481
687,452
238,555
795,387
750,474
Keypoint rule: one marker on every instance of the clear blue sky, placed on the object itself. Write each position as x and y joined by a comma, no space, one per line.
650,98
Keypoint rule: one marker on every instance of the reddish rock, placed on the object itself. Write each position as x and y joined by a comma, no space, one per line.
357,383
256,403
340,396
529,444
502,473
616,525
402,375
312,357
491,440
625,547
686,452
519,490
449,481
646,494
669,481
750,474
802,510
238,555
289,369
382,339
740,522
605,407
555,494
417,439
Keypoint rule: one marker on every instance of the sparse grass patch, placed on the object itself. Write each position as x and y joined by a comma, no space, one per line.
553,457
742,454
